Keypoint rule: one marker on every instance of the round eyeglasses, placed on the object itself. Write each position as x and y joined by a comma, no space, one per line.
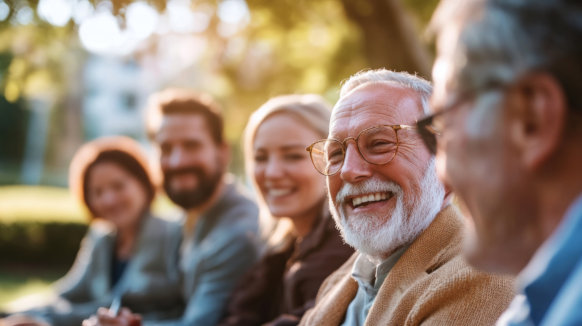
377,145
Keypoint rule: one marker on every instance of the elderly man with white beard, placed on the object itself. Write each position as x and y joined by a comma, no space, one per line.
388,203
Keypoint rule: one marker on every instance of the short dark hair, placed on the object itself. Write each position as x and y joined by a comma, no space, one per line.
182,101
119,150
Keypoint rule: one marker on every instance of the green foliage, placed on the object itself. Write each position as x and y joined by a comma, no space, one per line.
20,282
40,243
13,121
288,46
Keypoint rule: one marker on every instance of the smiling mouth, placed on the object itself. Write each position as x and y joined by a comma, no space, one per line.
367,199
279,192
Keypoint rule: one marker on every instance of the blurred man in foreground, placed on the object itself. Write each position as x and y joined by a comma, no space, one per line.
389,204
507,130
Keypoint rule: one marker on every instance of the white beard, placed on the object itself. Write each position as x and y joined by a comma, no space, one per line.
378,236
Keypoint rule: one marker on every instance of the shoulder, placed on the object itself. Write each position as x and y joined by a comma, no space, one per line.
457,275
99,230
236,203
459,294
565,309
154,227
155,221
432,283
235,214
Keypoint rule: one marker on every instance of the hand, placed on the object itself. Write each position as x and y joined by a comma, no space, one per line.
21,320
106,318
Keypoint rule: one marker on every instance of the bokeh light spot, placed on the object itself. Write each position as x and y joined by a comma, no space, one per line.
4,10
100,32
24,16
55,12
233,11
142,19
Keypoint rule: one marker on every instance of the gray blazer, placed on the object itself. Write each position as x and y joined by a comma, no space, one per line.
150,284
224,246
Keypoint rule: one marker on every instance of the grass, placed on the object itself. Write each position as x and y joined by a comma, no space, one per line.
20,286
39,203
33,203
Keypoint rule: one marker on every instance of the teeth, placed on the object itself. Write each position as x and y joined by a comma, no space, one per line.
279,192
357,201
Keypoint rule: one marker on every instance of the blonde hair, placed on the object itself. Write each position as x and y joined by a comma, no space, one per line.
314,112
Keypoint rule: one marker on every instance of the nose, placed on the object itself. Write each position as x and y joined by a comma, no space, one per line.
355,168
273,168
108,198
175,158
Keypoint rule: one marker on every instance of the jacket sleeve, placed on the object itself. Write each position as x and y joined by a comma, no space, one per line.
76,290
216,277
76,285
463,297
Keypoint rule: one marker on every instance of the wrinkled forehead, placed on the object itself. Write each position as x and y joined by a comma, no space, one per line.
374,104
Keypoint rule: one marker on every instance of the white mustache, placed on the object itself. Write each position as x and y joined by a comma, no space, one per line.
366,187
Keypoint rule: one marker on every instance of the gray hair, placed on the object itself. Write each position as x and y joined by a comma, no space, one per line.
500,40
383,76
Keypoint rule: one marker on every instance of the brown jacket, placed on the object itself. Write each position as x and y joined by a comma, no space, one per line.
431,284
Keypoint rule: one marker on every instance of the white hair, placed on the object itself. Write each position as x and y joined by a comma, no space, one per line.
383,76
378,237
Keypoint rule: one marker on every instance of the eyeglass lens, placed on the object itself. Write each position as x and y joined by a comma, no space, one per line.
377,145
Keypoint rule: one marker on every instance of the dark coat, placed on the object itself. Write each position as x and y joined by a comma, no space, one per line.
283,285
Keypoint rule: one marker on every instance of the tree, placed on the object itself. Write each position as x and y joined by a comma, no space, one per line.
286,46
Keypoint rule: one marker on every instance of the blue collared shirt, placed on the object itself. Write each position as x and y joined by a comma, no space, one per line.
370,278
551,283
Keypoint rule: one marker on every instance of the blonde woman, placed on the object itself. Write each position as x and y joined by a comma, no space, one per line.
303,245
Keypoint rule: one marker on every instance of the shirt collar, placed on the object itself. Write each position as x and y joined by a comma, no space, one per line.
370,276
551,264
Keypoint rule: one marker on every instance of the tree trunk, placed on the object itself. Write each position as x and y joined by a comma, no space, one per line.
389,34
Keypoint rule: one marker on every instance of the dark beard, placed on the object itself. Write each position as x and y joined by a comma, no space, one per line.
191,198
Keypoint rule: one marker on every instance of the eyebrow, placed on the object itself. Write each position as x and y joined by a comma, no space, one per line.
287,147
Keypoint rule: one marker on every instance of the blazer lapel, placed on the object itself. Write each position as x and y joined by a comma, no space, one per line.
437,244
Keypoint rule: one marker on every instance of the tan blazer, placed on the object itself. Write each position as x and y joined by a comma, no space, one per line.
431,284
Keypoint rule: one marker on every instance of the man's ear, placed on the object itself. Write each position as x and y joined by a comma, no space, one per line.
540,111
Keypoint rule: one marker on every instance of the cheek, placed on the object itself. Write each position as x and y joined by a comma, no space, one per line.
259,176
136,195
334,184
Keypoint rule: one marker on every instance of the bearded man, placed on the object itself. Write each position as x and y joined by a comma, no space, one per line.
221,223
390,205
